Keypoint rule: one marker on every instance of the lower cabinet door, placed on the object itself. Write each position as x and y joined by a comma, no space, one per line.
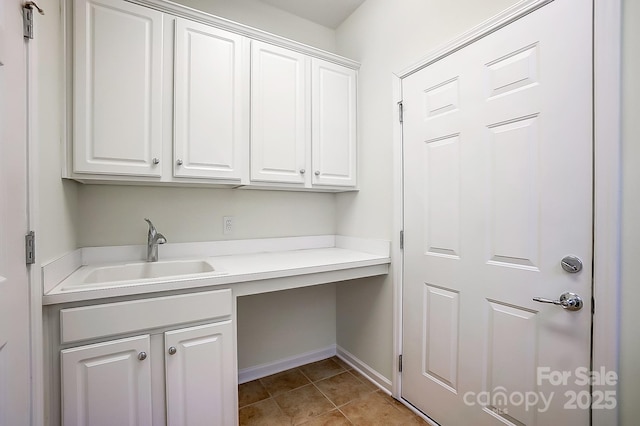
107,383
200,376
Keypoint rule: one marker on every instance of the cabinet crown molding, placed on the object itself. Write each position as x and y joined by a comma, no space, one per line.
245,30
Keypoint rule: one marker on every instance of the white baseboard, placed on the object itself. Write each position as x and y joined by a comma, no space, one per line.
264,370
378,379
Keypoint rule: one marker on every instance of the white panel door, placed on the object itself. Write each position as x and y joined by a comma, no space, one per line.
117,88
211,102
14,282
201,376
280,114
107,383
333,121
498,190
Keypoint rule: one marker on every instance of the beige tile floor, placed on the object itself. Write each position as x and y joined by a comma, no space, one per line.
327,392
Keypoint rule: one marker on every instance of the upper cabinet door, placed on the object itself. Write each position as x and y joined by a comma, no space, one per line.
211,102
280,115
117,88
334,124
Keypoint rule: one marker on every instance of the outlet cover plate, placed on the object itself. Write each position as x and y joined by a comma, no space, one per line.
227,225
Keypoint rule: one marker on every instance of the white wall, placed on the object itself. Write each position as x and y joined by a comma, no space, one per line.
270,325
57,199
113,215
629,396
385,36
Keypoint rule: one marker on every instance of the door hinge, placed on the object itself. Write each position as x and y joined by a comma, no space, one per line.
401,239
400,112
400,363
27,18
30,247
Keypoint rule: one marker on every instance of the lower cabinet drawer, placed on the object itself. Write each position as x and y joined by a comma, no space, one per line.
110,319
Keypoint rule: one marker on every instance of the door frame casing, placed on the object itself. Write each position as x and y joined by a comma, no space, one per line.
607,162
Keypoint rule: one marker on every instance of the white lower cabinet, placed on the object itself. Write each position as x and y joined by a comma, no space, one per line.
121,381
107,383
199,376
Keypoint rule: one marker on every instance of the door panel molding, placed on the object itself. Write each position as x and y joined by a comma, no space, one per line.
607,163
515,12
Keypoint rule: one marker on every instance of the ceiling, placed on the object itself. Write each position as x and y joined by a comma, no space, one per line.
329,13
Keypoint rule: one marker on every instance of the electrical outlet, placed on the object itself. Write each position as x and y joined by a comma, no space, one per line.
227,225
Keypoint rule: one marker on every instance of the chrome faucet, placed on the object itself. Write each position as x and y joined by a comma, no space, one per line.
153,239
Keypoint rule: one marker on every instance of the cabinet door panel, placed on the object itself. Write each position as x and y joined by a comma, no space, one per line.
106,384
117,88
334,124
211,102
201,381
279,114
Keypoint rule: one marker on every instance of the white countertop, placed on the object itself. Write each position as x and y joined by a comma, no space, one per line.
282,264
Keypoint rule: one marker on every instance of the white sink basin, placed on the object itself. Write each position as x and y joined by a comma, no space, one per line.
147,271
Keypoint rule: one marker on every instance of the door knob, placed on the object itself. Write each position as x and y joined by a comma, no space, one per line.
142,356
569,301
172,350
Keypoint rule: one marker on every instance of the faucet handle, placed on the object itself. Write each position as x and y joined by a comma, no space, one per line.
152,229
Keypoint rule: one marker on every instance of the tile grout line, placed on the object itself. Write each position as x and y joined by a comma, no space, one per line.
338,407
273,397
334,406
324,395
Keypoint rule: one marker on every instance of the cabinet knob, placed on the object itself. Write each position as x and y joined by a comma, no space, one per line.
179,162
155,160
317,173
172,350
302,171
142,356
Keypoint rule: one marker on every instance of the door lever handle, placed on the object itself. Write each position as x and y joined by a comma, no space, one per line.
569,301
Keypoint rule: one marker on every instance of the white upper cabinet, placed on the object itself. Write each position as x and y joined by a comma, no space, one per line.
211,102
303,119
280,114
117,88
175,96
334,124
